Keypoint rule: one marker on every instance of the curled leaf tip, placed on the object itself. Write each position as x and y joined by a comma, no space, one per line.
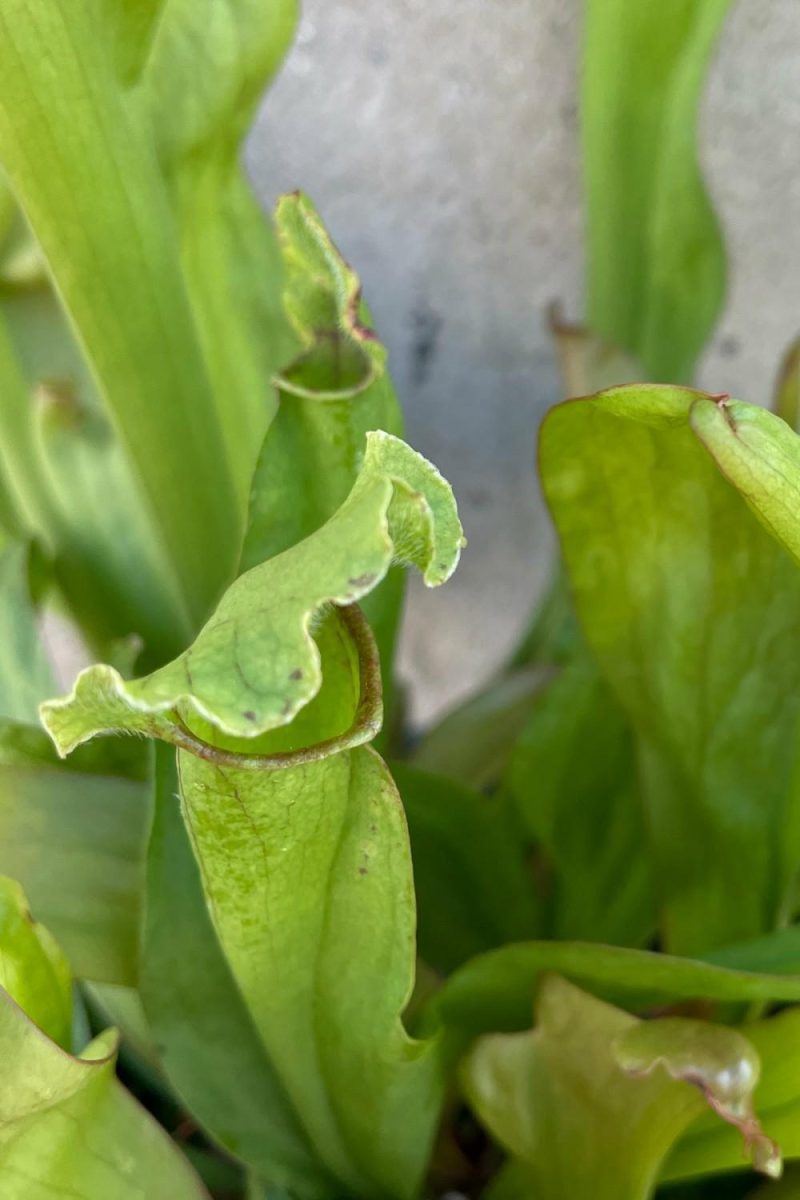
720,1062
257,662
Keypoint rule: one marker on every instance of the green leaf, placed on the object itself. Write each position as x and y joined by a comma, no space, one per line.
656,264
786,400
474,888
256,664
169,274
571,777
132,25
74,834
199,91
112,252
302,848
70,484
472,743
209,1047
592,1100
69,1128
691,609
495,991
33,970
720,1061
25,675
329,398
776,953
709,1148
587,362
787,1189
760,455
307,874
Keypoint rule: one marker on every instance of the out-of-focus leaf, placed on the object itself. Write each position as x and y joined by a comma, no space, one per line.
721,1062
97,534
33,970
786,401
760,455
168,271
656,266
74,835
132,25
495,991
8,210
472,744
68,1128
787,1189
572,779
26,509
103,219
70,485
114,1004
205,74
774,953
554,634
587,362
474,888
25,676
307,874
71,834
209,1048
592,1100
692,611
256,664
709,1148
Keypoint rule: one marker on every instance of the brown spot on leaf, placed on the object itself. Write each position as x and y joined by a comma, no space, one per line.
296,673
249,715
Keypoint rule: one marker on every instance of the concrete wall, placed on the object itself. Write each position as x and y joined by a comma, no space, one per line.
439,139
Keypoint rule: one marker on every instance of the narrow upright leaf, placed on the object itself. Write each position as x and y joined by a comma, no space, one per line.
103,220
25,674
169,273
656,262
199,91
786,400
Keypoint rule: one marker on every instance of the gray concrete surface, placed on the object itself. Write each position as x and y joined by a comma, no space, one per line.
440,141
